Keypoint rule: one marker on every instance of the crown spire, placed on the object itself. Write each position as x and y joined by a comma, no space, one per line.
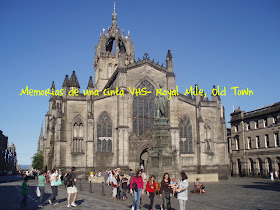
114,18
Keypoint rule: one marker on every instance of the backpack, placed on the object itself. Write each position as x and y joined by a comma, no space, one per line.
68,181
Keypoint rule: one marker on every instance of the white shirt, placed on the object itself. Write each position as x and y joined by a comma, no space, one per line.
53,178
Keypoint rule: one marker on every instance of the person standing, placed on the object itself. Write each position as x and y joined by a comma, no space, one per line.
271,176
72,189
276,176
137,189
182,191
131,174
165,191
41,183
124,181
114,185
53,178
105,177
24,188
150,188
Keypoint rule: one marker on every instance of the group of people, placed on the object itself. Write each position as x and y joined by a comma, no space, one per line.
137,183
274,176
54,178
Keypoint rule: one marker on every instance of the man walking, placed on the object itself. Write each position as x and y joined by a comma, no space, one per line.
72,189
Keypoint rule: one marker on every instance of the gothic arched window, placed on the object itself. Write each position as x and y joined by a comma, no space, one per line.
104,133
185,135
78,135
144,109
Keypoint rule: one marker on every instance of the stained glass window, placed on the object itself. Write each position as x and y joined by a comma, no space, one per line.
78,132
185,135
144,109
104,129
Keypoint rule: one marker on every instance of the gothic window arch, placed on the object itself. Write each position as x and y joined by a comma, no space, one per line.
186,137
144,109
104,133
78,135
207,136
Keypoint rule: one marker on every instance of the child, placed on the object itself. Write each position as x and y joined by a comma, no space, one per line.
173,188
124,181
24,188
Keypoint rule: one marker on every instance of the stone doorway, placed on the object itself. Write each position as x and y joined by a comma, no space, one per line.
144,158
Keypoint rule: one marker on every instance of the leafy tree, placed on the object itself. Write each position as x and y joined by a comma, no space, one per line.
38,161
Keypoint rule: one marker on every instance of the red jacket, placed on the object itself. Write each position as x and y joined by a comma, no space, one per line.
138,181
148,189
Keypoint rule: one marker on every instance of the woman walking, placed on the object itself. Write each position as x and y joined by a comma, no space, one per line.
182,191
165,191
150,188
136,188
53,178
42,181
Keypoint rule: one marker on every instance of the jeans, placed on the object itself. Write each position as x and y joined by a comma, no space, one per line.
24,200
105,181
166,200
151,196
54,193
42,190
182,204
136,198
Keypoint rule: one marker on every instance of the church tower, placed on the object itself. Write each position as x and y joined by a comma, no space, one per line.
111,46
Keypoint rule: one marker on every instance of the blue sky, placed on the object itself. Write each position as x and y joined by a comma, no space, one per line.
227,43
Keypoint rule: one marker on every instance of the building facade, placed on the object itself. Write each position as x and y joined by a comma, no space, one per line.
107,131
255,146
8,155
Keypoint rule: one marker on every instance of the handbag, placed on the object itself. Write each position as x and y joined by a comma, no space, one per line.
58,182
38,193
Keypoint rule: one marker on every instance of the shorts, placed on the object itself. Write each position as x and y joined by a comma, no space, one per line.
114,192
72,190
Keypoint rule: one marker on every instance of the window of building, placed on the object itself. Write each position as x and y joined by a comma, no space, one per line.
104,133
249,143
274,120
78,130
236,144
236,128
247,126
207,133
258,143
144,109
276,139
264,123
256,124
266,140
185,135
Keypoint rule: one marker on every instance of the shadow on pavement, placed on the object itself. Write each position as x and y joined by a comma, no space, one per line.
264,186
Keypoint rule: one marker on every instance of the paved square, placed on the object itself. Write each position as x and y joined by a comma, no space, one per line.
235,193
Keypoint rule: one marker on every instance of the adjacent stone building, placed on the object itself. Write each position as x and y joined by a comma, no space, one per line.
105,131
8,155
255,146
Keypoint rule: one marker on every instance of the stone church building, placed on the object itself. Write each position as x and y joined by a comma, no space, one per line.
101,132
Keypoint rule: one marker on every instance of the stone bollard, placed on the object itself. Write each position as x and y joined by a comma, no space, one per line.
81,186
102,193
90,187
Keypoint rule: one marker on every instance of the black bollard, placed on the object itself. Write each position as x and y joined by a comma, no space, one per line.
90,186
81,186
102,193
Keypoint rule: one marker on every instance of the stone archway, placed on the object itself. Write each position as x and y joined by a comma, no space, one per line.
142,155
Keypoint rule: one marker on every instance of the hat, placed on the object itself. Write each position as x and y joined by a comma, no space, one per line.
173,179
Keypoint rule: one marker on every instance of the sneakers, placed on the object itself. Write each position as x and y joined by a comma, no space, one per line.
68,205
40,206
132,208
50,202
73,204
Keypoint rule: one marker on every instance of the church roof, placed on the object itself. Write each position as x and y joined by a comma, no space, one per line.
74,81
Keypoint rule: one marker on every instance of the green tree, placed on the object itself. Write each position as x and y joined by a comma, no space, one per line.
38,161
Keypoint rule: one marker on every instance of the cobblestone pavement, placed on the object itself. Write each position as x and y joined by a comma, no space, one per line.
235,193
